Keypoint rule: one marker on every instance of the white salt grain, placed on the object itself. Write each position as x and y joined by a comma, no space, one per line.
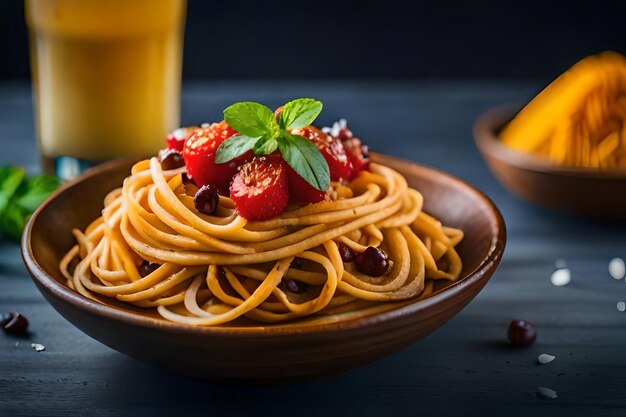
560,263
37,346
617,268
621,306
547,392
561,277
545,358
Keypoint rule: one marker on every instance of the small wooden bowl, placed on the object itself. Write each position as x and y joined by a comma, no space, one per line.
282,352
573,190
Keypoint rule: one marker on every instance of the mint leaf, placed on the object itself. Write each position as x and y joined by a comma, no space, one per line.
251,119
233,147
304,157
32,192
299,113
265,147
10,180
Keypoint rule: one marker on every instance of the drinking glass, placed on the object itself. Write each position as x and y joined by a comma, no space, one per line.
106,78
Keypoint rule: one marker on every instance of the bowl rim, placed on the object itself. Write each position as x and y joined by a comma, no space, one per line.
486,130
60,291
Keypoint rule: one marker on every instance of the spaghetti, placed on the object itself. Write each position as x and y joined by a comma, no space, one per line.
213,269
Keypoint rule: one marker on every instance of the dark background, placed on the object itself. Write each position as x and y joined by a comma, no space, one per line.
373,38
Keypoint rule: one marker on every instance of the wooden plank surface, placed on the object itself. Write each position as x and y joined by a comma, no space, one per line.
464,368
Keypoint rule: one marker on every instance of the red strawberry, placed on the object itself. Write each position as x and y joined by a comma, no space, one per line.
357,155
199,153
260,189
355,150
176,138
332,150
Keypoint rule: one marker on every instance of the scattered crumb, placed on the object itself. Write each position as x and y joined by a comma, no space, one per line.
17,344
547,393
37,346
544,358
621,306
560,263
617,268
561,277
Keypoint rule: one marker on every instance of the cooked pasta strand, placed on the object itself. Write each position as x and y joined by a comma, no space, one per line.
219,268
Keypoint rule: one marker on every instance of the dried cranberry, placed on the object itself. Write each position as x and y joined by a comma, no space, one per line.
171,159
346,252
522,333
146,268
5,318
14,323
372,262
206,199
297,287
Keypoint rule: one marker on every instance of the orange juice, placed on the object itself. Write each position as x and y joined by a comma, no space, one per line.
106,75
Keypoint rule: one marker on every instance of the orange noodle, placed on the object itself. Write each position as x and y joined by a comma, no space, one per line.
213,269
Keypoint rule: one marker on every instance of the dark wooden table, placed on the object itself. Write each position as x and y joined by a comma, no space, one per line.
464,368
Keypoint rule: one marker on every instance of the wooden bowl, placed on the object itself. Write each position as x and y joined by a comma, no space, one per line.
574,190
281,352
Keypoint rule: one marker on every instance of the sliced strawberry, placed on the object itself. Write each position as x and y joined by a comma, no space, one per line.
260,189
199,153
301,191
176,138
332,150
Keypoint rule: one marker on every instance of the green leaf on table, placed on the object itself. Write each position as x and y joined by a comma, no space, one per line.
233,147
12,221
10,179
299,113
34,190
304,157
251,119
20,197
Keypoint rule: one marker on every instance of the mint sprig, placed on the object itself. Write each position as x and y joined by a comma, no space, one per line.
258,130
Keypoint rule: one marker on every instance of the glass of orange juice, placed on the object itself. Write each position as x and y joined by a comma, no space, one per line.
106,78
